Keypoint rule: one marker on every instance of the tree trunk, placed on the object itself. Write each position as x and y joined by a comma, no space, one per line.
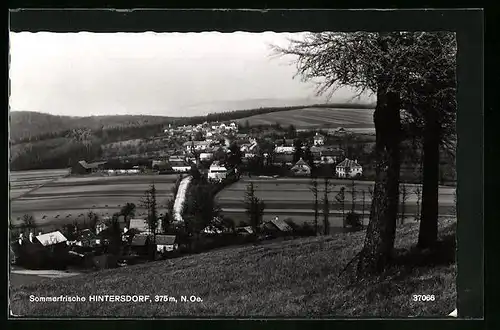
430,192
381,229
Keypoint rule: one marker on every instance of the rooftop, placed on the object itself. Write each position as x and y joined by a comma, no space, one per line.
348,163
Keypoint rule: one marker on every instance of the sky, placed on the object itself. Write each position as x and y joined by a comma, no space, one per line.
171,74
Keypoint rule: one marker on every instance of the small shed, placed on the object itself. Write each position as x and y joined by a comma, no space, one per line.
247,230
166,243
277,227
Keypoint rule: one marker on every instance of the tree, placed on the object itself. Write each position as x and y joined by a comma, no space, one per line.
168,218
418,193
195,174
29,222
297,144
128,211
200,209
340,198
368,62
234,157
404,198
363,199
93,218
313,187
254,208
308,157
432,98
353,195
326,206
198,136
150,204
291,132
115,242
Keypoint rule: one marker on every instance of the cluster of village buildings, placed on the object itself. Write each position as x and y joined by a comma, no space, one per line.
89,248
207,142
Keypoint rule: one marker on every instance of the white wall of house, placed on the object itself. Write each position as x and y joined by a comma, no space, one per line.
181,168
217,172
319,142
166,248
343,172
284,149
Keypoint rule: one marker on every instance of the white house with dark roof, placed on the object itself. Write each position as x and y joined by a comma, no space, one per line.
166,243
301,168
319,139
52,238
217,172
348,169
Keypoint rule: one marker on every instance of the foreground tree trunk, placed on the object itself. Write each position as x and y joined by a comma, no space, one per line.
381,230
427,236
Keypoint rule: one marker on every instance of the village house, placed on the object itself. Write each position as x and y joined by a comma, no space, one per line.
348,169
247,230
196,145
180,166
319,139
301,168
233,126
206,156
217,172
82,167
140,244
281,158
139,225
86,238
326,155
284,150
166,243
277,227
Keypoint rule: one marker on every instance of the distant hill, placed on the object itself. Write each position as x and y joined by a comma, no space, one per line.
26,124
333,116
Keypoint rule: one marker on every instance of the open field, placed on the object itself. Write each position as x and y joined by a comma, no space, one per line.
70,198
359,119
294,278
22,182
290,198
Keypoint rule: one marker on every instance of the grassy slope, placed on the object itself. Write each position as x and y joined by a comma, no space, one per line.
291,278
315,117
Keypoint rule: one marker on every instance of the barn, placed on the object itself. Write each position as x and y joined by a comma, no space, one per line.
82,167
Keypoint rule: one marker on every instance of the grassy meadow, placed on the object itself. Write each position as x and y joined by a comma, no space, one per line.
315,117
294,278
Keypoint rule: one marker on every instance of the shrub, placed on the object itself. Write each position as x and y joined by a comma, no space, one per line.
307,230
354,220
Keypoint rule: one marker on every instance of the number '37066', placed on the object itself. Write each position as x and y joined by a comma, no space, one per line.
423,297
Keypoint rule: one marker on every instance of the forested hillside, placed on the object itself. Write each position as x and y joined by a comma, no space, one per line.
43,141
34,126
